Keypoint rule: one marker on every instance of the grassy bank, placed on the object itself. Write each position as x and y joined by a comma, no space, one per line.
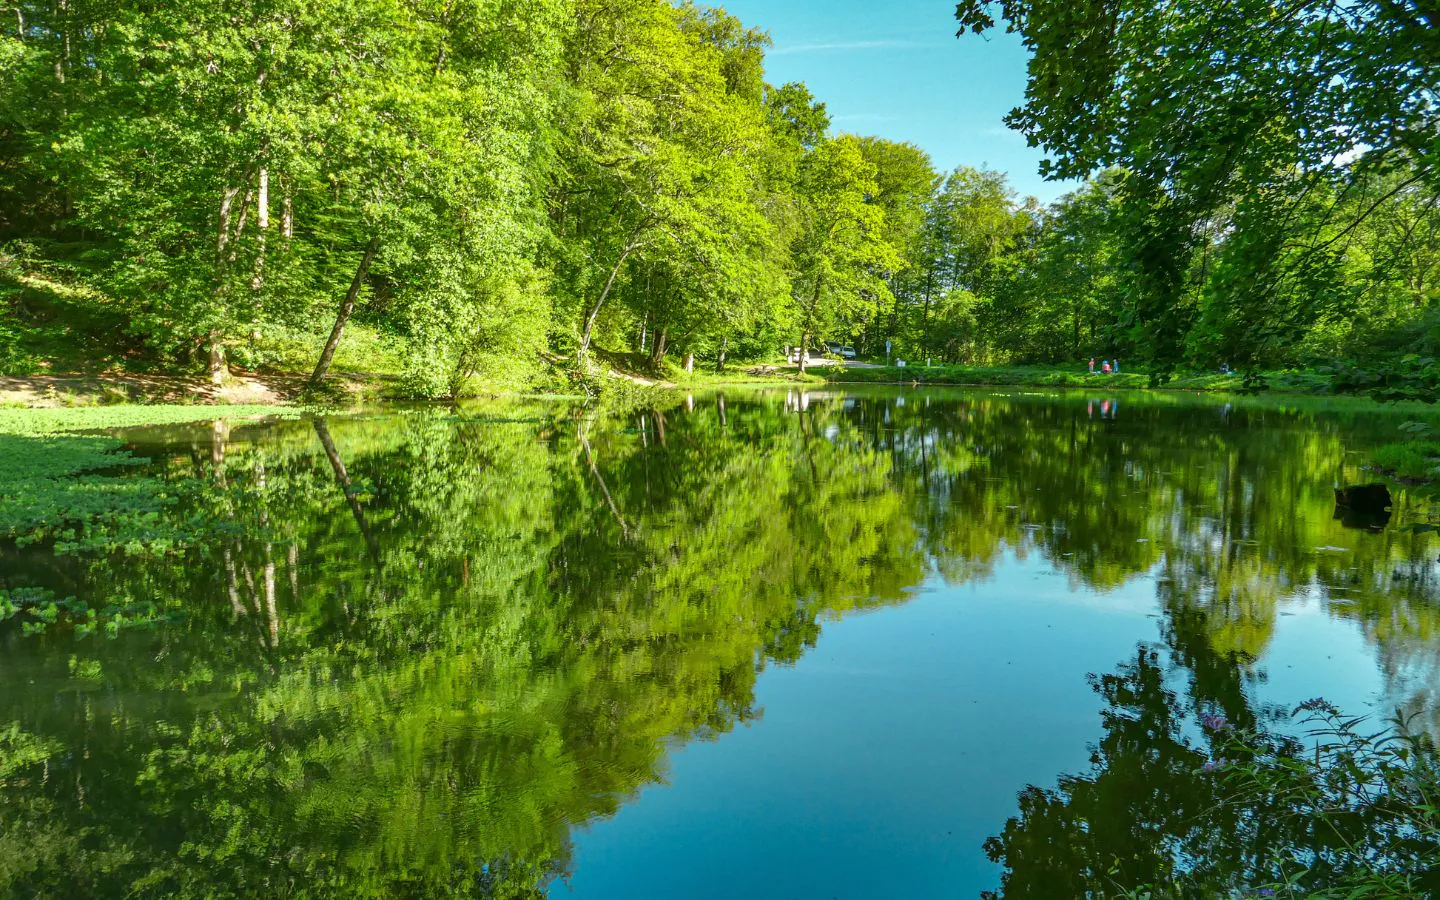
1062,377
52,422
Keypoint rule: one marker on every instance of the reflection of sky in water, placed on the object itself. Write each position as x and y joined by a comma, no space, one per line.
890,752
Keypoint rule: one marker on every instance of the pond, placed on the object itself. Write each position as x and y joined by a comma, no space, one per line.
839,643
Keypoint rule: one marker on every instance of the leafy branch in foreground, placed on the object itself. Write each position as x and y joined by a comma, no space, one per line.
1199,799
1358,804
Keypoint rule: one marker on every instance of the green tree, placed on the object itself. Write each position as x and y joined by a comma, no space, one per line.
1257,106
840,250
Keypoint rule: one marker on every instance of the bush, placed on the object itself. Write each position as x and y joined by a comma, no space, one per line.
1355,808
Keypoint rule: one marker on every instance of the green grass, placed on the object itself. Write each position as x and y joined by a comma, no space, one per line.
363,349
1062,376
1409,460
738,374
48,323
51,322
34,422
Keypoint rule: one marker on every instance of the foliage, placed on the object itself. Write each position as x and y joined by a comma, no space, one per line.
483,185
1271,167
1414,460
1064,376
1368,794
1336,811
467,193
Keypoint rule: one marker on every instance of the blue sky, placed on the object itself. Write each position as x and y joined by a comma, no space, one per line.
894,68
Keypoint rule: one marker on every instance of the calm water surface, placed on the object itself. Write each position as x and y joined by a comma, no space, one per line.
762,645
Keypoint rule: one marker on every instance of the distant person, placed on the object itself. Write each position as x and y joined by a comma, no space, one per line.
1117,365
1105,367
1092,365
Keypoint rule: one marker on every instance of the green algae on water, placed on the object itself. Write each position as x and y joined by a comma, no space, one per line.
72,488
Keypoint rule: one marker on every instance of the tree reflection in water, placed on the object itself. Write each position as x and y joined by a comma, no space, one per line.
1169,809
419,648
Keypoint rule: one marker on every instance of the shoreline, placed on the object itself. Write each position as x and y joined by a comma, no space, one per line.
287,391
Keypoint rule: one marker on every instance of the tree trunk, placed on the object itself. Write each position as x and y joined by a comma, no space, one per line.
62,60
222,230
581,433
925,316
262,221
689,362
272,614
217,365
240,222
595,310
814,305
720,360
346,308
659,348
292,566
232,582
262,213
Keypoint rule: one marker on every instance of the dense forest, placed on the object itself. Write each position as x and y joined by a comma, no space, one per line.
484,188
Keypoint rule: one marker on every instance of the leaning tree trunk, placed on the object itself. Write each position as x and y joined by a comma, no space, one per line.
346,308
600,302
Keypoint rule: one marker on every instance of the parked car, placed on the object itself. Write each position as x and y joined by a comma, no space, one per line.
847,352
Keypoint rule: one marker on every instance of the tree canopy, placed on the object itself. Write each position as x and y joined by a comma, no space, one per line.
487,187
1263,149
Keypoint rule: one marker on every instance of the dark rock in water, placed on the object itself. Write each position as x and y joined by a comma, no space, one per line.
1372,497
1363,506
